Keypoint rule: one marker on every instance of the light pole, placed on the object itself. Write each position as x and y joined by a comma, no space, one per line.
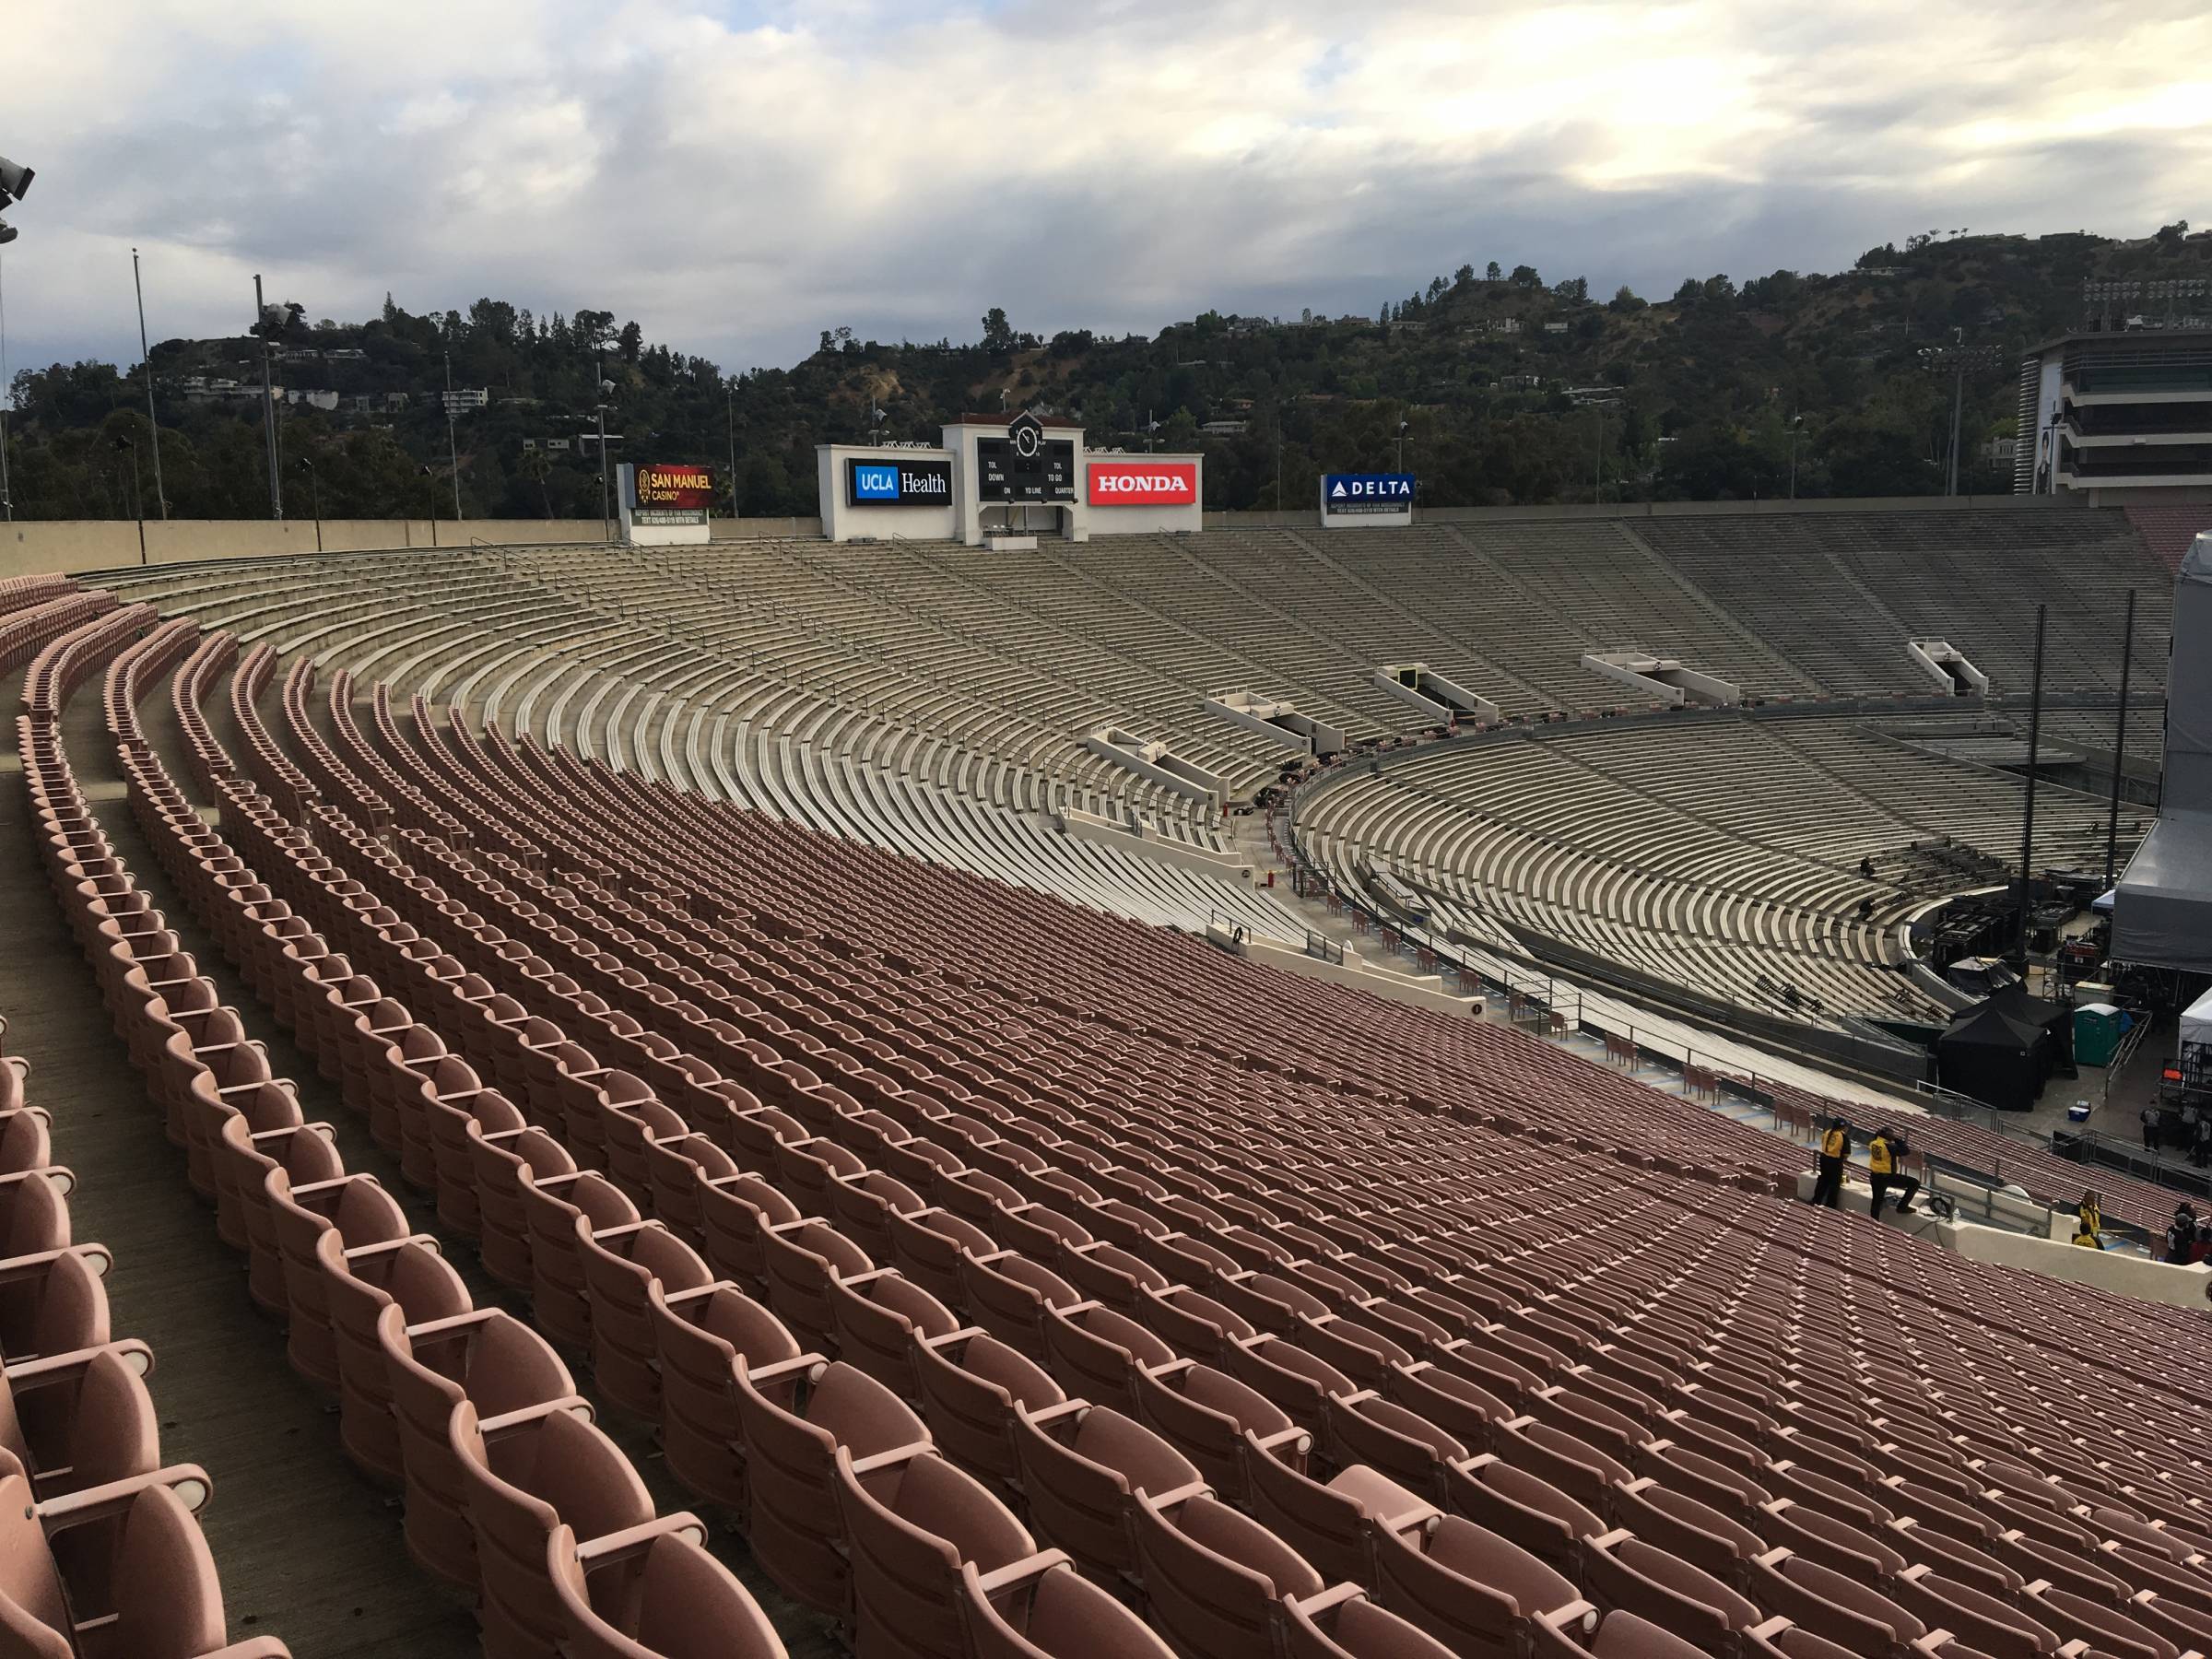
138,496
730,399
147,361
269,402
314,485
607,520
1958,401
453,445
1401,425
1796,425
429,482
1597,457
7,501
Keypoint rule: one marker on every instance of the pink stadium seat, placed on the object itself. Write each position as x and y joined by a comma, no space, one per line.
653,1594
792,1446
486,1359
912,1523
528,1473
1042,1608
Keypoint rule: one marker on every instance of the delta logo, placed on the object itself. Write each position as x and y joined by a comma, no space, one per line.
1373,489
1144,484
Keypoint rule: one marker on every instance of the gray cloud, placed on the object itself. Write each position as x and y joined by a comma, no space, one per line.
738,183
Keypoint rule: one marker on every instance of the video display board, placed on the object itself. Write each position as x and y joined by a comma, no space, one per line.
664,496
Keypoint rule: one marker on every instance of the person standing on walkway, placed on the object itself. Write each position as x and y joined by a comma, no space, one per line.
2181,1235
1835,1151
2202,1155
1886,1155
2151,1117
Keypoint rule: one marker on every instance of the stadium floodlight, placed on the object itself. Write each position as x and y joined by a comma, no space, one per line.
14,182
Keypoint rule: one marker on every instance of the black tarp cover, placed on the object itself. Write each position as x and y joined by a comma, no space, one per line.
1994,1058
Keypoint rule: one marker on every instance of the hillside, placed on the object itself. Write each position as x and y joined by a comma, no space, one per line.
1511,388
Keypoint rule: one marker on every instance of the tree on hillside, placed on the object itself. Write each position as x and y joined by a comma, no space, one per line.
998,333
1491,272
537,466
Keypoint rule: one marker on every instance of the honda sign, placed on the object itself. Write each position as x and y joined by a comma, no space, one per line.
1144,484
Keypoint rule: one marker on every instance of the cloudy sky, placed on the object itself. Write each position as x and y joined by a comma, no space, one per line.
739,176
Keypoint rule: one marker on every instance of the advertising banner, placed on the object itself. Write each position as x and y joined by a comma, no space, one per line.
1144,483
899,483
665,497
1366,495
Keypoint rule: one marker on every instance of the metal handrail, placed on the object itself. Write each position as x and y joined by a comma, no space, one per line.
2131,1043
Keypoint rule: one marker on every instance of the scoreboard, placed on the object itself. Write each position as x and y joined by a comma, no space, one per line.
1025,465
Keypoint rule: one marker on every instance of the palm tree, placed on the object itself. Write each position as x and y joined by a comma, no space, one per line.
537,465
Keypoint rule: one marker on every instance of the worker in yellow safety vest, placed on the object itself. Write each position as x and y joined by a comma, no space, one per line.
1886,1155
2089,1223
1835,1151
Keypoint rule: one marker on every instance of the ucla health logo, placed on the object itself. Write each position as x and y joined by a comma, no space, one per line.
875,483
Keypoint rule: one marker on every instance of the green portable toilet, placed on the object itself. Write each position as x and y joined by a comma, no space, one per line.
2097,1031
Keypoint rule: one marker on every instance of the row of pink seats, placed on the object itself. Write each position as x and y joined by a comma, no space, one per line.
374,1311
1048,1601
99,1553
24,631
1040,1598
1087,1418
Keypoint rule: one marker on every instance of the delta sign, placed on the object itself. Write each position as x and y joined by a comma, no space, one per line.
1373,496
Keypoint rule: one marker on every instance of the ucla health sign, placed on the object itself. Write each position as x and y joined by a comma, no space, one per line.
899,483
1386,496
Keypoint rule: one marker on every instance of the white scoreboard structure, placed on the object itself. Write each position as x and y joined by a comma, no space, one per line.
1003,482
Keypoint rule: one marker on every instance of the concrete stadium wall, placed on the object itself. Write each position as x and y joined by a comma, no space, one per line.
31,546
1310,518
69,545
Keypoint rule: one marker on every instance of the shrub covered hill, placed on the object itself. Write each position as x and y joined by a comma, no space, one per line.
1509,388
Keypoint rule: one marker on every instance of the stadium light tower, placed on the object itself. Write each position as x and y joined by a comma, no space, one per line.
14,185
14,181
1959,359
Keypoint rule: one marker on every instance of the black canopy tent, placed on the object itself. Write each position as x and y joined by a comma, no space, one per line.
2017,1003
1994,1058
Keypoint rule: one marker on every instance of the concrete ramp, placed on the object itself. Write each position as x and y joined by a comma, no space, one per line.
1664,679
